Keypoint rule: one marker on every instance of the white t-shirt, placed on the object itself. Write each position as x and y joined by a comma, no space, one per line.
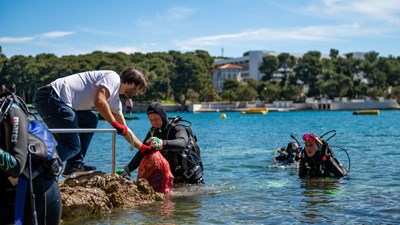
78,90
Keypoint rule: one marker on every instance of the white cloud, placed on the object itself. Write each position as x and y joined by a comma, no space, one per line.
143,48
173,14
179,13
97,32
48,35
15,39
144,23
360,10
305,34
124,49
55,34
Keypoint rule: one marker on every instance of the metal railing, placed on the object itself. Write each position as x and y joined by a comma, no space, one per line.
79,130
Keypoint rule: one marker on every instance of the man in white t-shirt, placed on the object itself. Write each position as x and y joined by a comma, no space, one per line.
68,102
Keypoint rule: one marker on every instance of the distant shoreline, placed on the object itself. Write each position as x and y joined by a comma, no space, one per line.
277,106
287,106
309,105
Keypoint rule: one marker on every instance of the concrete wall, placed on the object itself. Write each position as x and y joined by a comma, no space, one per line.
363,105
324,104
168,108
212,107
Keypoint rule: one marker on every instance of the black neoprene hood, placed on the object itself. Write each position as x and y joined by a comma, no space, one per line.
157,108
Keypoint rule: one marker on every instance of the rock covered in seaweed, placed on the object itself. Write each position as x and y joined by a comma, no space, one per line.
98,192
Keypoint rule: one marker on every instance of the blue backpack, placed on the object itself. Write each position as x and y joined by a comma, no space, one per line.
41,146
21,134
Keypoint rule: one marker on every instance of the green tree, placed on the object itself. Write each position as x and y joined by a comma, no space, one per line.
253,83
268,67
230,95
157,76
286,64
396,93
345,84
230,90
308,69
190,72
270,92
206,58
3,59
375,77
23,72
291,92
209,95
376,92
391,68
246,92
333,53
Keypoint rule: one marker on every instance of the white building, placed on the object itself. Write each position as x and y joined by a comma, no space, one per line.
250,63
226,71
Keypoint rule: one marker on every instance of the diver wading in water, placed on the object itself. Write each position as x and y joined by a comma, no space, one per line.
289,155
177,143
318,159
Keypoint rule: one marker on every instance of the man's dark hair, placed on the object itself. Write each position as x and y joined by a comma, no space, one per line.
133,75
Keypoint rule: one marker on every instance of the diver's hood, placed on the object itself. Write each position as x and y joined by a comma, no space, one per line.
157,108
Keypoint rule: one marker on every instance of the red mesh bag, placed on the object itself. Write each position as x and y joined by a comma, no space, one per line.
155,169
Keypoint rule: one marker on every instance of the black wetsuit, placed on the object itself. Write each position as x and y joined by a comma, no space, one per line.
175,139
13,163
320,166
178,148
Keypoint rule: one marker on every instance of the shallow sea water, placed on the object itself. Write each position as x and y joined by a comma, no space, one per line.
243,186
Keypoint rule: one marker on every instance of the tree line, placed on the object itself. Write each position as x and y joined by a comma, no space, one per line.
180,77
289,78
172,76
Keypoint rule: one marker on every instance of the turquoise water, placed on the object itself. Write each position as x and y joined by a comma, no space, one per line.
244,187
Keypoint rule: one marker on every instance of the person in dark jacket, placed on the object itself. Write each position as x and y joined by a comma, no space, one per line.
170,139
14,172
318,159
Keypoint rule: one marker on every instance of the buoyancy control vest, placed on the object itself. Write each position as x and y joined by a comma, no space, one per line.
21,134
186,164
322,164
27,150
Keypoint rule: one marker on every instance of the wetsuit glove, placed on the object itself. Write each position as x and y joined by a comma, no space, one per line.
125,172
121,129
156,143
144,148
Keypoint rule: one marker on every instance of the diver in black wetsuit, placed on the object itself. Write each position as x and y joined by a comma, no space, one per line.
14,165
171,139
318,159
289,155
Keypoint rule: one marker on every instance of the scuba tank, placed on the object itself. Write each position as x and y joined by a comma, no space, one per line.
324,163
329,163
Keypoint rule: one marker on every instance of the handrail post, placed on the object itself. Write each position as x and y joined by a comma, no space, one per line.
114,150
90,130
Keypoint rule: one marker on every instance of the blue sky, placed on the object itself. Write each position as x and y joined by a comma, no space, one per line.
220,27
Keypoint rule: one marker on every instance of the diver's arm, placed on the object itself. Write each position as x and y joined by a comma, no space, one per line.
180,140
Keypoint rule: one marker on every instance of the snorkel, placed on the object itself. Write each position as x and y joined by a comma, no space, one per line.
298,142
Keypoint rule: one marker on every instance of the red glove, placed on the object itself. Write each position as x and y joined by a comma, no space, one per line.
121,129
144,148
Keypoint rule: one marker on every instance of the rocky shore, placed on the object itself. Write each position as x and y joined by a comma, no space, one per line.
98,193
